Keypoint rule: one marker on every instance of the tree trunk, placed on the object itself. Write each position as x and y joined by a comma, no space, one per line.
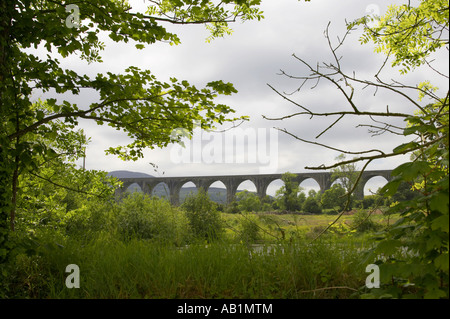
5,204
14,194
7,8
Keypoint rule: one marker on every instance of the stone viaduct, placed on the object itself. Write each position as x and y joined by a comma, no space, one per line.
232,182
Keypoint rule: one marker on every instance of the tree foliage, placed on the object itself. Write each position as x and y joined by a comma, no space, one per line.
204,219
408,33
248,201
288,196
311,206
135,101
334,197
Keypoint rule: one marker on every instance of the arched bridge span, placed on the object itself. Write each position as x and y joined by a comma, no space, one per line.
231,182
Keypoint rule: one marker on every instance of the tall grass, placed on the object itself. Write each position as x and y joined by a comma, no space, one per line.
143,247
111,268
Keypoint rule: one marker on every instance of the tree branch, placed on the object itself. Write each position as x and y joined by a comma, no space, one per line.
384,155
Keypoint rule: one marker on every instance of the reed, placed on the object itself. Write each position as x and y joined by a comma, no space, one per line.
112,268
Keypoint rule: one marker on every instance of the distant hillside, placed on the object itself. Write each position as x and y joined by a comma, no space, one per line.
128,174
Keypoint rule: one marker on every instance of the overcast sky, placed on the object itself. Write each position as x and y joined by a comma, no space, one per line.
251,58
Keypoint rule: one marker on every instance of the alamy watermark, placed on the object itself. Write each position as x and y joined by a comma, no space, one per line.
373,279
73,279
235,146
73,19
373,11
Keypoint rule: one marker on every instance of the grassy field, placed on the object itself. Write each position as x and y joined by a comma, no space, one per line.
284,226
139,269
259,256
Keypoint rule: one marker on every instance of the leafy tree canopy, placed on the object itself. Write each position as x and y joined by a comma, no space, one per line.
408,33
136,102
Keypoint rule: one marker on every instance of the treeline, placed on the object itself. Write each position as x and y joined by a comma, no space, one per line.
291,198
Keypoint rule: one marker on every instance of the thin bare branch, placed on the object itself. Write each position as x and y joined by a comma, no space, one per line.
288,99
347,203
383,155
329,147
380,114
440,73
330,126
380,130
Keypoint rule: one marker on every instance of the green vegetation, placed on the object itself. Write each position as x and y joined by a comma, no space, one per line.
140,269
36,134
142,247
288,195
53,214
203,217
334,198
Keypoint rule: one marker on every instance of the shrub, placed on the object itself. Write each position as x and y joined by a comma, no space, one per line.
248,202
232,208
311,206
89,219
143,217
362,222
334,197
372,201
250,232
204,219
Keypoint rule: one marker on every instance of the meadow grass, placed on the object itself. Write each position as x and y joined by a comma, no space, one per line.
276,259
111,268
273,227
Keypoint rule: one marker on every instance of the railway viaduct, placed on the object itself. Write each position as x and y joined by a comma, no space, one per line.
232,182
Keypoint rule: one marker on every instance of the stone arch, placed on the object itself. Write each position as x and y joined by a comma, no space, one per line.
124,188
126,185
372,184
310,183
161,190
134,187
273,186
246,185
187,188
338,180
366,176
215,194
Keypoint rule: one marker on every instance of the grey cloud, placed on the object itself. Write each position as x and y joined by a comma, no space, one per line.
251,58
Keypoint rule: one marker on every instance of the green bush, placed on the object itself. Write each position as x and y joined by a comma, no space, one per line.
143,217
334,197
89,219
311,205
362,222
203,217
248,202
232,208
250,231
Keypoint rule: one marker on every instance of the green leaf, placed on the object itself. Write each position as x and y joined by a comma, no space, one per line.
441,262
435,293
391,187
440,202
39,115
441,223
389,247
405,147
422,129
411,170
